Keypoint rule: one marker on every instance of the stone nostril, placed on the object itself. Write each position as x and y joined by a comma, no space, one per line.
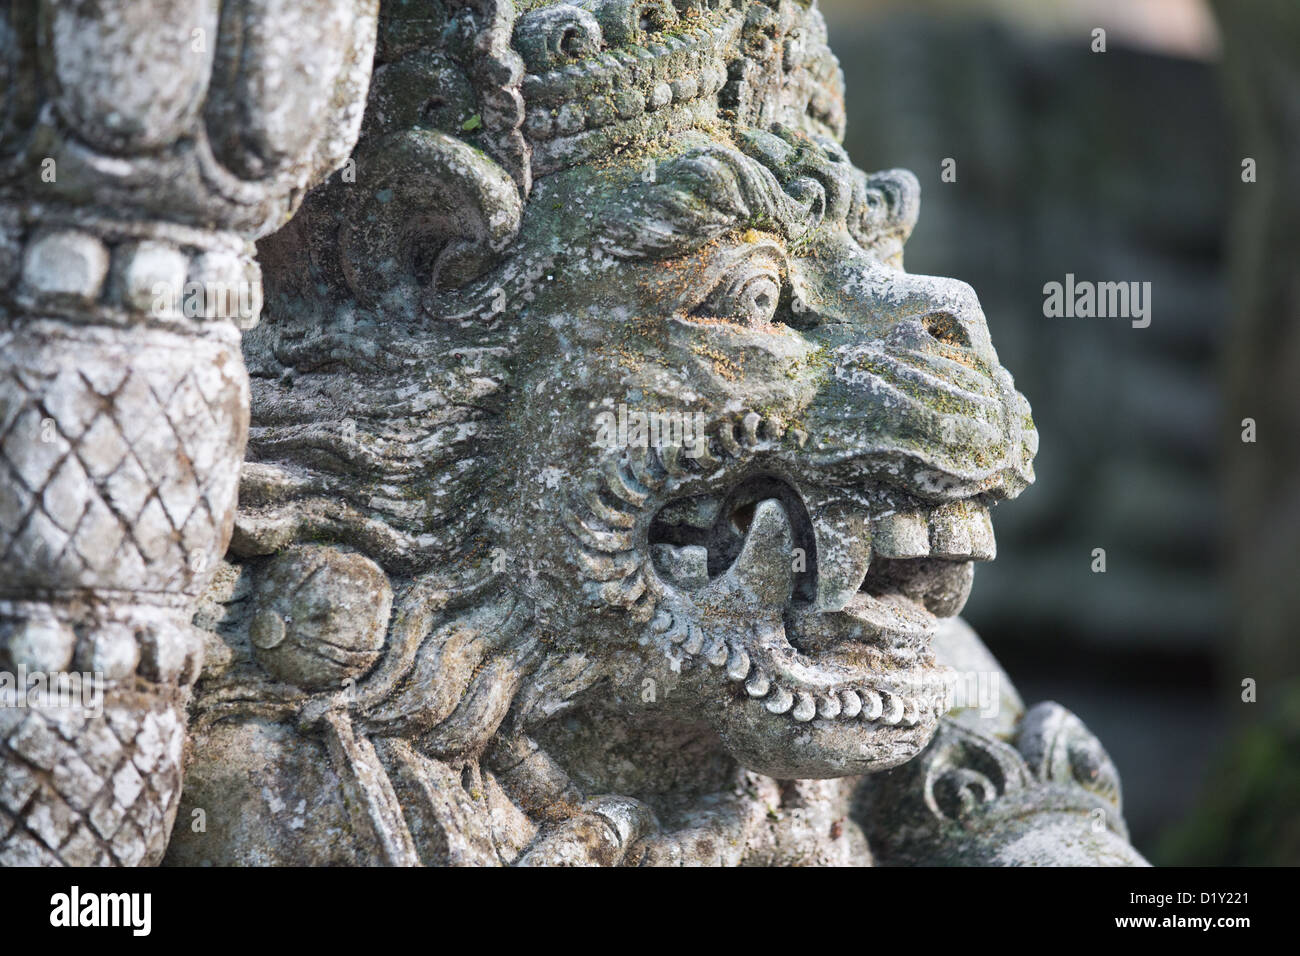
946,328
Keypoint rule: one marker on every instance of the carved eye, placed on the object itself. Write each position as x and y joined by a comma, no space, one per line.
747,294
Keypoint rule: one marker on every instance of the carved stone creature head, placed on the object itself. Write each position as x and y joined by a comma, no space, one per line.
605,354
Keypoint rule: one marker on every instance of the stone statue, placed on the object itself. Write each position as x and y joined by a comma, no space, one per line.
610,490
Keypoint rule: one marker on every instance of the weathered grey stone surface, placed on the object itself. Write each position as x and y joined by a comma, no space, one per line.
142,148
465,616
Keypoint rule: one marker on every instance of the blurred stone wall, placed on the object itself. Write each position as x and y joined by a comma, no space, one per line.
1251,812
1113,167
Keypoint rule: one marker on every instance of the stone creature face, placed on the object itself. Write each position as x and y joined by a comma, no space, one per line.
747,450
628,318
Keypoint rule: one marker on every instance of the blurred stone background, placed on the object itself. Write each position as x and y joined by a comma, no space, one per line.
1126,166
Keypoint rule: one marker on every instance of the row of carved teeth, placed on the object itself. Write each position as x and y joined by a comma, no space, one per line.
955,530
735,438
753,430
630,480
689,642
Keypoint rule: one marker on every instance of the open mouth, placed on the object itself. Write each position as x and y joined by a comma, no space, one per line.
821,605
895,610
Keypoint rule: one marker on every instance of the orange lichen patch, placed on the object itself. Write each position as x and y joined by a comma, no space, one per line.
627,353
626,358
646,327
963,357
638,336
669,276
723,365
725,322
673,274
753,236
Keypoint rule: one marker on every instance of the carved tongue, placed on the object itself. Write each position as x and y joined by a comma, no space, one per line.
884,621
942,587
892,616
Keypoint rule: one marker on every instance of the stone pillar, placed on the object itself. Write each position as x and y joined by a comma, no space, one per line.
143,147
